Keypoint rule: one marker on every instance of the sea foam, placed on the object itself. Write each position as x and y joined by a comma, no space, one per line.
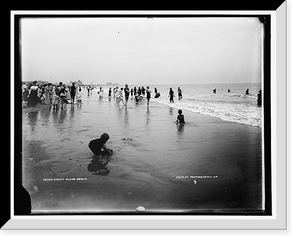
232,108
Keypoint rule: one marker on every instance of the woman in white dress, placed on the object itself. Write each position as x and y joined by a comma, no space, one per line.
46,95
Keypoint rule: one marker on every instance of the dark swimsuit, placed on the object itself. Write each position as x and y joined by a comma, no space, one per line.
180,118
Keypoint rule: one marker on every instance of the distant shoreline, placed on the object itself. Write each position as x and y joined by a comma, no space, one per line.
43,82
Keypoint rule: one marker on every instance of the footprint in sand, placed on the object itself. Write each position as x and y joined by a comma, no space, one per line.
129,141
62,168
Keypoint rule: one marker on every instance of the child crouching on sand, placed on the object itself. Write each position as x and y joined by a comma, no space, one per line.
98,146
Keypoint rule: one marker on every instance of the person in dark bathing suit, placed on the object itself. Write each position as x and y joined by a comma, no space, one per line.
148,95
127,92
109,93
171,95
259,98
180,117
179,93
73,92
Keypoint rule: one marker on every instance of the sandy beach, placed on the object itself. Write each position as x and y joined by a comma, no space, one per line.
205,165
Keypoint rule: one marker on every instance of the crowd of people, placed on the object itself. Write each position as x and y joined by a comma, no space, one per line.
58,95
139,94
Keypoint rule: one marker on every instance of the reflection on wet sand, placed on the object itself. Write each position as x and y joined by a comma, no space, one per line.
126,117
180,128
32,117
45,115
98,166
72,111
147,116
171,111
32,120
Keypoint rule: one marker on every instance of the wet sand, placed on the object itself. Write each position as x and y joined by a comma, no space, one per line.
206,165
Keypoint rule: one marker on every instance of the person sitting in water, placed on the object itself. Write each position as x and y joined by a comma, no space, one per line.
180,117
98,146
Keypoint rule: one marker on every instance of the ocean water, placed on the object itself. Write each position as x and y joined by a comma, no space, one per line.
233,106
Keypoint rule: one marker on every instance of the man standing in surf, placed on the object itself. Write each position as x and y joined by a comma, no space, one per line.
171,95
179,93
148,95
126,91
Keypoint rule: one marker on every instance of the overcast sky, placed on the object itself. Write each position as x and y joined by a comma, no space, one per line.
142,50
